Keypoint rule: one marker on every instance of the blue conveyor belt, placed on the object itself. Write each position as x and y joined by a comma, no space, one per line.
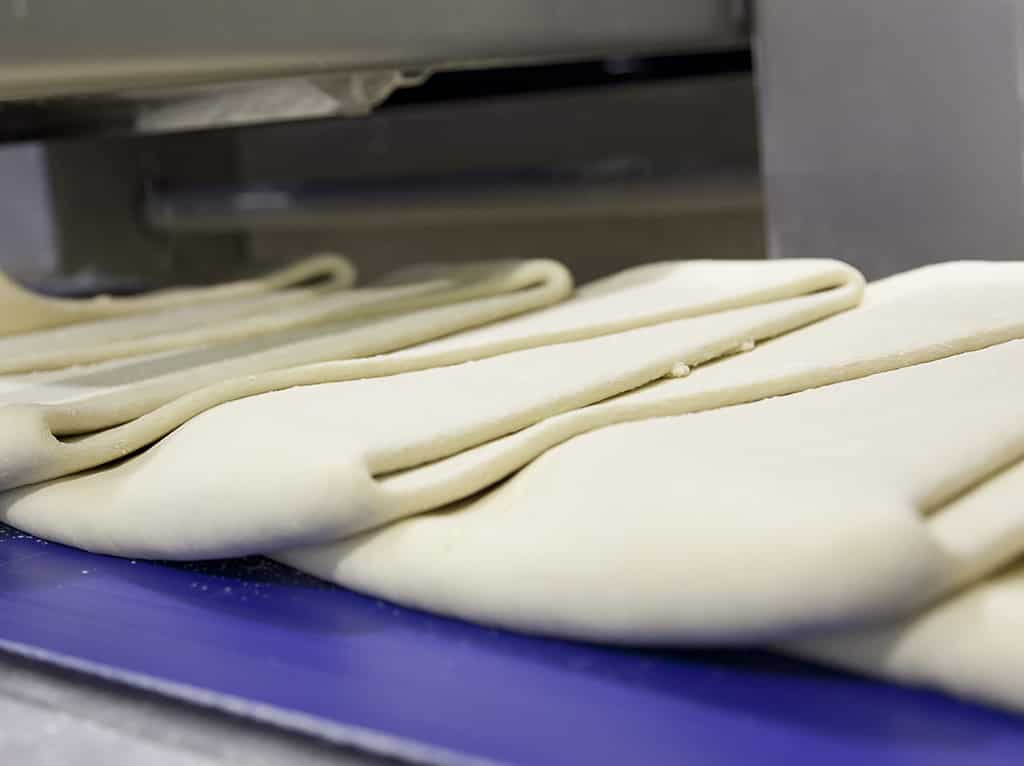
261,640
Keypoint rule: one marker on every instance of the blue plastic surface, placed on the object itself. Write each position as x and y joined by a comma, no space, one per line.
260,639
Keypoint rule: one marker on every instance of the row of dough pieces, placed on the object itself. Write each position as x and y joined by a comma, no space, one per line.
887,493
70,420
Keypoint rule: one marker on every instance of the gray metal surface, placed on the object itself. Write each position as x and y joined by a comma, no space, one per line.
52,717
70,208
56,47
691,145
609,190
620,174
638,151
28,244
892,130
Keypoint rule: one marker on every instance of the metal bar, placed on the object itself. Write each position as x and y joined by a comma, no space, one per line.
53,47
610,191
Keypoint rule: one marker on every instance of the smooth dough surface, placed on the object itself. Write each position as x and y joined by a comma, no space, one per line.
89,403
289,313
753,523
301,465
31,449
969,645
919,316
22,310
813,522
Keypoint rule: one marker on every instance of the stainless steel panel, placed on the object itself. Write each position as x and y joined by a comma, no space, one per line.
892,129
62,47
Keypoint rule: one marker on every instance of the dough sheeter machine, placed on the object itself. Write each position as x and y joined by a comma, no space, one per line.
145,143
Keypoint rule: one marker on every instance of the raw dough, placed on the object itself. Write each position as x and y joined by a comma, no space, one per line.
92,397
747,524
919,316
969,645
159,402
22,310
270,319
756,523
223,484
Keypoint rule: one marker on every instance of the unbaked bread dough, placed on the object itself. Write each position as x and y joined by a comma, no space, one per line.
748,524
672,530
23,311
222,484
969,645
155,400
87,398
283,316
919,316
